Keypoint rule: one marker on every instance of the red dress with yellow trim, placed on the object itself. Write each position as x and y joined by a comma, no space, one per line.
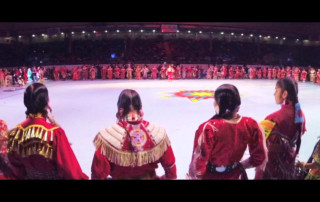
40,150
281,138
219,146
5,168
132,150
3,148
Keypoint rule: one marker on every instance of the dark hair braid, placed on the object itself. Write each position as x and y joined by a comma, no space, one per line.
36,99
128,99
228,99
291,87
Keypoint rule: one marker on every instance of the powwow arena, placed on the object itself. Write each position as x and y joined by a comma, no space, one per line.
175,94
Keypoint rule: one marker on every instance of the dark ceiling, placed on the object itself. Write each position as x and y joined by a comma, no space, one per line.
307,30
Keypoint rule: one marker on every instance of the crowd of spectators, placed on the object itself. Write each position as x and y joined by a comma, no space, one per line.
156,50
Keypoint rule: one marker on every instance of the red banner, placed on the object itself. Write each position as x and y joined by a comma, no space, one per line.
169,28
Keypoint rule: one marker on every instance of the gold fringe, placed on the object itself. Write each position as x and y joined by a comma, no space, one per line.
33,148
133,159
28,134
37,133
23,136
32,134
45,137
32,141
36,125
16,137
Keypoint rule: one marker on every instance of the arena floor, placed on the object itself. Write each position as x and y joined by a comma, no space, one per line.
82,108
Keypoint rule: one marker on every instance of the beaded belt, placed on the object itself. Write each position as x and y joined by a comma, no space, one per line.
221,169
33,174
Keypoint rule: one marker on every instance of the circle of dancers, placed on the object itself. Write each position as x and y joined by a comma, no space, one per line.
22,76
